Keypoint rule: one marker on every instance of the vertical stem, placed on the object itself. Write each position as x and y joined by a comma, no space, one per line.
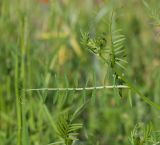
1,104
23,37
20,83
111,39
18,104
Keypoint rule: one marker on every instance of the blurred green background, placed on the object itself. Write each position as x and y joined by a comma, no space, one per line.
40,46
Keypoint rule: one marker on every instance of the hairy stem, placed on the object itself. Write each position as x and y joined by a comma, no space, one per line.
78,89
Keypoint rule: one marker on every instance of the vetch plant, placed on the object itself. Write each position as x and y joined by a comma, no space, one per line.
66,128
46,75
144,135
110,48
112,52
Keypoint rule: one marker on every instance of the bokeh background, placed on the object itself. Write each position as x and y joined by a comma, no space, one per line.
40,47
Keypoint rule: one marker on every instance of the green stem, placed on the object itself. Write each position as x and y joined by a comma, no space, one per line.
24,37
111,39
135,89
18,104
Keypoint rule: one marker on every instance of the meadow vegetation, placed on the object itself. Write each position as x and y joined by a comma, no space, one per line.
79,72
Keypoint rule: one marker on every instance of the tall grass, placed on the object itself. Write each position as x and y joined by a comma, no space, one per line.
41,52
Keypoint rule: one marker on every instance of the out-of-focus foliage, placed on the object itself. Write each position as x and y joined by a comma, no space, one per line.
40,46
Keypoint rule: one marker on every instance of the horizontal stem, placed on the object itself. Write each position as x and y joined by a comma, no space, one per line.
78,89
